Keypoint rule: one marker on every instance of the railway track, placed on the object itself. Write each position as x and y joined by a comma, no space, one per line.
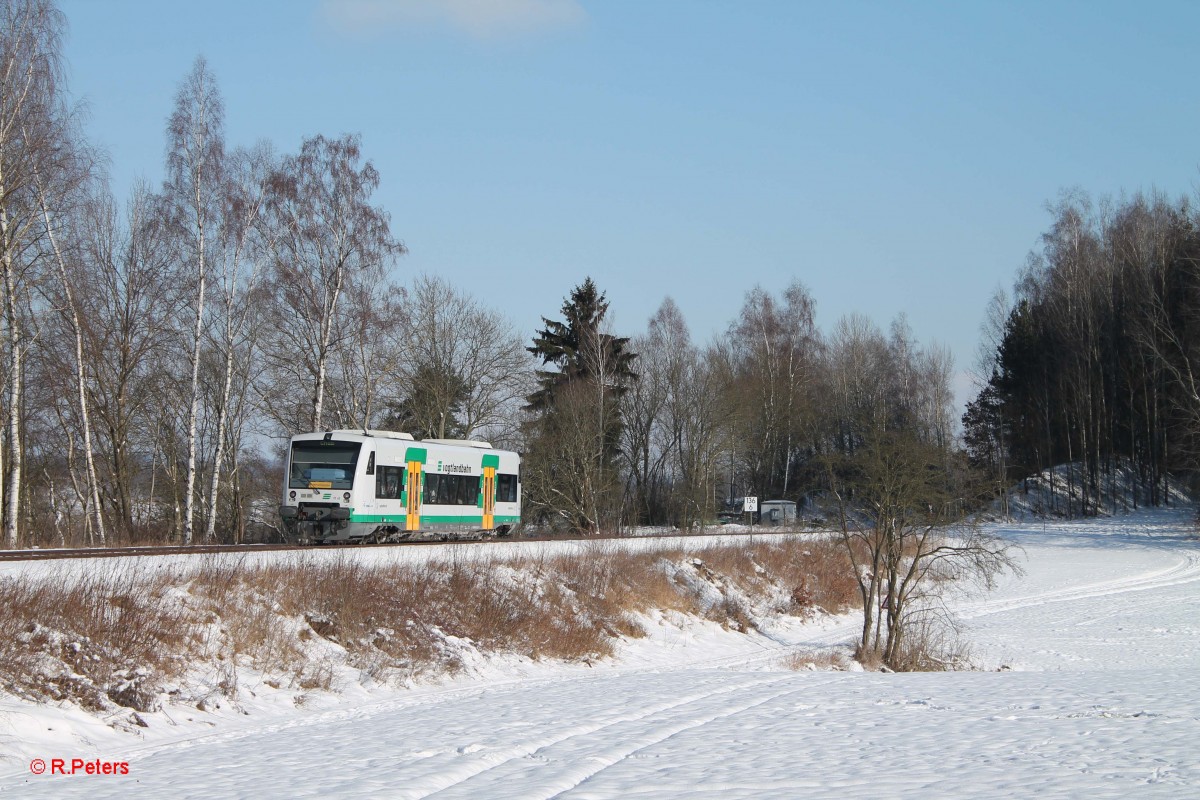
198,549
201,549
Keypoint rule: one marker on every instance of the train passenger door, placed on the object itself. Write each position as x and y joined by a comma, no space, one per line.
490,464
489,498
412,520
413,486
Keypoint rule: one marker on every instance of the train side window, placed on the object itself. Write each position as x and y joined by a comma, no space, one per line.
506,488
454,490
389,482
432,494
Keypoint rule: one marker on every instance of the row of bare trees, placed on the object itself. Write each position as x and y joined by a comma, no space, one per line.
764,409
1097,361
672,430
157,349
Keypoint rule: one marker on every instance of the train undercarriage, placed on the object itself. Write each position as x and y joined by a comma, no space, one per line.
329,523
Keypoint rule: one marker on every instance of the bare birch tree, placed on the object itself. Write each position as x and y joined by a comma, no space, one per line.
129,300
195,163
329,237
674,421
30,110
71,173
241,268
462,363
773,348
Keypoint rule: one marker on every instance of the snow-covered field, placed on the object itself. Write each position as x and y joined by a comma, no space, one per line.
1087,688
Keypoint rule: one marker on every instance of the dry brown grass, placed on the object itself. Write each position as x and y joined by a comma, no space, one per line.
815,572
120,638
96,640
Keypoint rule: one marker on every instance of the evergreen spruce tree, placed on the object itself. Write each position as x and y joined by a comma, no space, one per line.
580,349
575,433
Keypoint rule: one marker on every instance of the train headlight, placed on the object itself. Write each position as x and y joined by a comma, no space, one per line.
291,495
346,497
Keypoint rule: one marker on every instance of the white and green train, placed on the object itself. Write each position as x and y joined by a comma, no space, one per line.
377,486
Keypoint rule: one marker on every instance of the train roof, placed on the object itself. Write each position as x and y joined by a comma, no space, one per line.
378,434
370,433
462,443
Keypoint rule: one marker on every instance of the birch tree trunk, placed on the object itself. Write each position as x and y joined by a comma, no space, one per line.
97,516
195,161
12,319
210,531
190,497
323,350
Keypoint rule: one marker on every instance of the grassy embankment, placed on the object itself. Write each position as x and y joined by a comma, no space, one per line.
129,638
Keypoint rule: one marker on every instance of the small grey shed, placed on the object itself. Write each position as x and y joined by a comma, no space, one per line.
777,512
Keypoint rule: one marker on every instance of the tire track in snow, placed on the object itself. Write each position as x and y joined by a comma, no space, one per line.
531,757
1187,570
615,755
420,699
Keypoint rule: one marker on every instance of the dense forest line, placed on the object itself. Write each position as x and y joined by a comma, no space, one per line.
1097,361
157,350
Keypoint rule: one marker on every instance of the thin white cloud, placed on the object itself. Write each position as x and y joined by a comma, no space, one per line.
480,19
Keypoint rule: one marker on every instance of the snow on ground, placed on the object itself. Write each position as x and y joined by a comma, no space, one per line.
409,554
1091,662
1062,491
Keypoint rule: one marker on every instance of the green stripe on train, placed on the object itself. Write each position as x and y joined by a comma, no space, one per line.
432,519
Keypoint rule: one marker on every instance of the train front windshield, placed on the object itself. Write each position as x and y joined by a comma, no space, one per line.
323,464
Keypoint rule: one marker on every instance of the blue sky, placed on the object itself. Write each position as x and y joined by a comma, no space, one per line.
893,157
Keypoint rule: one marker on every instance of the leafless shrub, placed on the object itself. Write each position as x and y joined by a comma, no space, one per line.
821,660
931,643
